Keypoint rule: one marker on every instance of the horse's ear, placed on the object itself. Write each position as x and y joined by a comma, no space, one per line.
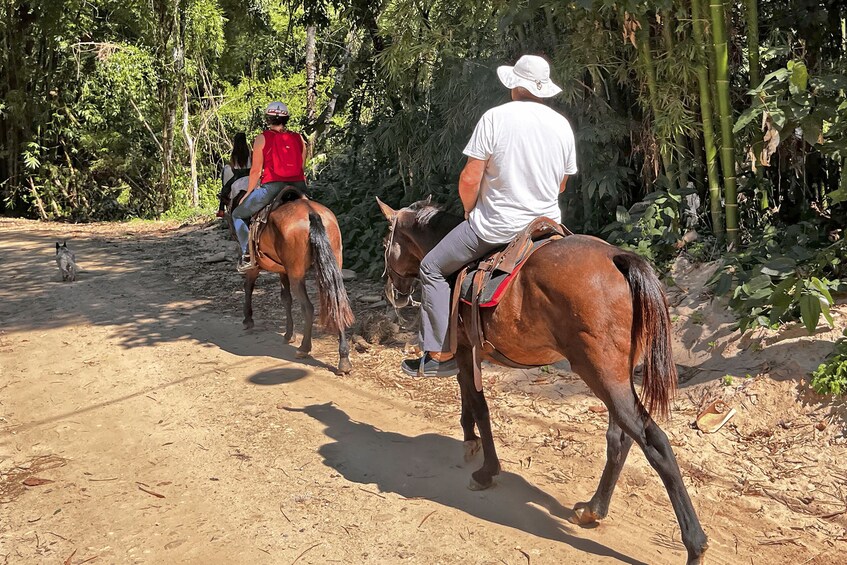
428,200
387,211
57,246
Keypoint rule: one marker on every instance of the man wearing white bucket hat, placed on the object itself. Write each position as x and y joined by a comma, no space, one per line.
520,156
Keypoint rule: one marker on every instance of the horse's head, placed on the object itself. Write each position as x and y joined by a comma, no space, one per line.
414,230
402,255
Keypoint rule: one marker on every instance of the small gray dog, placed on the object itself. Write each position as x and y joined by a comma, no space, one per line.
66,261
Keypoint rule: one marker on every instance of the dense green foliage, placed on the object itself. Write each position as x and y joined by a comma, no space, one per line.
115,109
784,277
831,376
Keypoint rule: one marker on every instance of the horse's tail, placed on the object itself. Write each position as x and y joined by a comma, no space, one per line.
651,333
336,314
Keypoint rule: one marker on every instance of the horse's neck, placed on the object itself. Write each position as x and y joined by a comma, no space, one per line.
428,236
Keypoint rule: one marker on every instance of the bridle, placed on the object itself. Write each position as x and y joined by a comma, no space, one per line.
392,293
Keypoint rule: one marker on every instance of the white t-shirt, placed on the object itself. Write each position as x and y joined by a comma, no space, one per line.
529,148
239,184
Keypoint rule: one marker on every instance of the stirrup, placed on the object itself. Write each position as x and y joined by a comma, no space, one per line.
243,266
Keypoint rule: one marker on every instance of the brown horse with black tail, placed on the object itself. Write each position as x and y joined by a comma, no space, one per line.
299,234
584,300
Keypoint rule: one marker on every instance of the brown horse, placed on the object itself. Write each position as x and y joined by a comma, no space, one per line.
584,300
299,234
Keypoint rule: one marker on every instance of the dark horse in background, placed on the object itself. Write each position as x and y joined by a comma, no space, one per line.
299,234
584,300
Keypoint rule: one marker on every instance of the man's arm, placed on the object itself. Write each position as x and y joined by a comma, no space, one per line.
564,182
469,182
257,164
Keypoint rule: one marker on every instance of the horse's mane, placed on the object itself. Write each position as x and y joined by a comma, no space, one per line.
433,217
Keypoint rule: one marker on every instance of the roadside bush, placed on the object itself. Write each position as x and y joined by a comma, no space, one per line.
783,276
831,376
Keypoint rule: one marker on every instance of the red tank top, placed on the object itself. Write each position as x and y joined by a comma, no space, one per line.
283,157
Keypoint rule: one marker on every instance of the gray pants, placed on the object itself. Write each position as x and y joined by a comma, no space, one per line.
458,248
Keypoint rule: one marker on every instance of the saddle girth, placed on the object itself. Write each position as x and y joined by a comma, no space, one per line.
508,260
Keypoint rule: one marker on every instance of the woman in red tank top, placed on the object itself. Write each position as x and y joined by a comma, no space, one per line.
279,156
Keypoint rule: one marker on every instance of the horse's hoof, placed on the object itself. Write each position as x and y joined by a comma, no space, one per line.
583,515
481,480
248,324
345,366
472,447
302,354
698,559
288,338
474,485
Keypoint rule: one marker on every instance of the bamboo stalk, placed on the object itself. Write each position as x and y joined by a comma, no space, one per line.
718,18
706,117
642,36
752,16
677,147
752,13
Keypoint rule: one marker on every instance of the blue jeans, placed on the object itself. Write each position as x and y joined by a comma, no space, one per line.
254,202
457,249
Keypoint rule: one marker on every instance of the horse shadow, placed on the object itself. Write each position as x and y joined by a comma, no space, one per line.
427,466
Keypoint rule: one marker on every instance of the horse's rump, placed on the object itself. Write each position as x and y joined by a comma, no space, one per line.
562,289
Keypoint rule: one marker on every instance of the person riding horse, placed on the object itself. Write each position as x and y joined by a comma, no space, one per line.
520,156
279,157
234,177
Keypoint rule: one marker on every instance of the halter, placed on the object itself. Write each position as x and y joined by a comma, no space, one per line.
390,271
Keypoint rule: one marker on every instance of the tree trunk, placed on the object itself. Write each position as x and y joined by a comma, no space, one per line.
192,150
337,93
311,86
706,117
718,17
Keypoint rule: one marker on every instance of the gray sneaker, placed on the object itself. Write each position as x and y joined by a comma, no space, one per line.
431,367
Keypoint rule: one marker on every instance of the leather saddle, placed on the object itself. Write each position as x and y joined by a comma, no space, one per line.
260,219
482,284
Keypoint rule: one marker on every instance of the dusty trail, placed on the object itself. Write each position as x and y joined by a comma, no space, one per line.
184,439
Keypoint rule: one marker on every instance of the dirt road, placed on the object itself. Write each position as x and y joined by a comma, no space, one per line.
172,436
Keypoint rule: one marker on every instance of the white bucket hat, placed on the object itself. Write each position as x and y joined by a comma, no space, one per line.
532,73
276,109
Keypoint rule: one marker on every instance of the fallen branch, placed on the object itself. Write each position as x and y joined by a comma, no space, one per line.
306,550
426,518
156,494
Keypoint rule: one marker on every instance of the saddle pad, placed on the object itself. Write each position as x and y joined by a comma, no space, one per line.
495,288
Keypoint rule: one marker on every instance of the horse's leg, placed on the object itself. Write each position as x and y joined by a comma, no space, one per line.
344,364
625,407
617,448
249,283
472,443
483,477
285,294
298,287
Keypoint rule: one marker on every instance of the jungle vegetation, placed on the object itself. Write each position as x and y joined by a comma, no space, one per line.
713,128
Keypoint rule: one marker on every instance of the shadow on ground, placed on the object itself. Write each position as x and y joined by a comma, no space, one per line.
425,466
